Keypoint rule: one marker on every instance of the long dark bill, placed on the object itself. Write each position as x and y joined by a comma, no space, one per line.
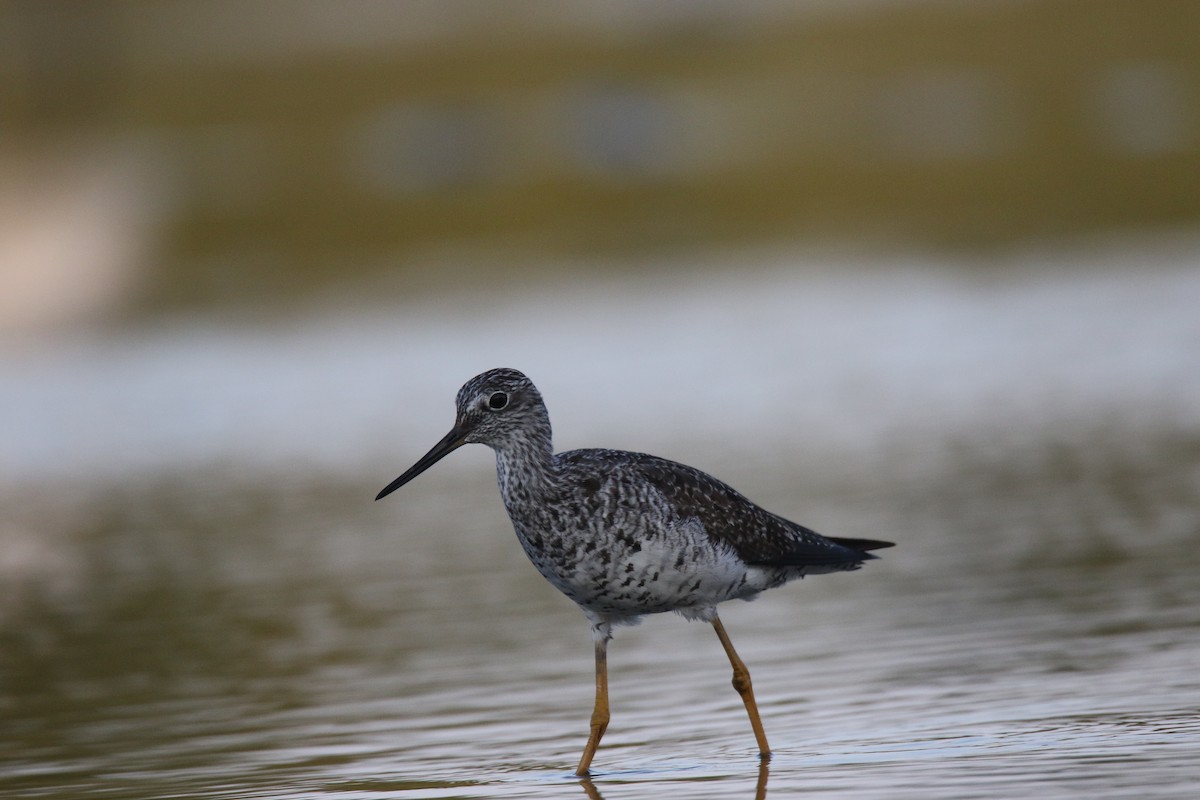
449,443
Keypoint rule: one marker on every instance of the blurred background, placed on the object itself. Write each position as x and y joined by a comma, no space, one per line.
909,269
196,156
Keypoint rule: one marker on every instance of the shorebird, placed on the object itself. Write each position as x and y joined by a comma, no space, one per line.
626,534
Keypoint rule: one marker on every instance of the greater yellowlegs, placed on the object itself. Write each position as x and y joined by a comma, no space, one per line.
626,534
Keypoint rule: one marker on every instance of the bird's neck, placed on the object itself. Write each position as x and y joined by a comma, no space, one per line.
525,465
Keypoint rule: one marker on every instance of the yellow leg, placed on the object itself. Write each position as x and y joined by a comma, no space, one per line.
600,711
741,682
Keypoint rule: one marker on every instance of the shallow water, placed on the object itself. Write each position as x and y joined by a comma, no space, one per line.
209,605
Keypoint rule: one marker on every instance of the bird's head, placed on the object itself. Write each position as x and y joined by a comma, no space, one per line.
496,408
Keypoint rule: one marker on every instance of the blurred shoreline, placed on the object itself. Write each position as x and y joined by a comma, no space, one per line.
276,153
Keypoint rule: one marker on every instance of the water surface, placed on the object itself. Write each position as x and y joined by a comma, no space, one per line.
200,599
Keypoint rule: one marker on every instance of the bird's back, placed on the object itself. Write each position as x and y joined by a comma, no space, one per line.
730,520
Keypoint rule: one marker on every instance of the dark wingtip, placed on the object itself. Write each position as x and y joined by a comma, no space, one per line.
864,545
823,555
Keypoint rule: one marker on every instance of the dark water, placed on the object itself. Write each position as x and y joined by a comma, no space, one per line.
200,612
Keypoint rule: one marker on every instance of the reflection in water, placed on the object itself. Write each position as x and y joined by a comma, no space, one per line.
590,789
760,786
222,629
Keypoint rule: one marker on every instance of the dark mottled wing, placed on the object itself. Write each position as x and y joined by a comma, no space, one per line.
755,534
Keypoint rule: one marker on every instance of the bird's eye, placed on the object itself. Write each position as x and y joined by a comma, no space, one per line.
497,401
